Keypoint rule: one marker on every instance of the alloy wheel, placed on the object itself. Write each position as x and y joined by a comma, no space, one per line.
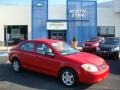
68,77
16,65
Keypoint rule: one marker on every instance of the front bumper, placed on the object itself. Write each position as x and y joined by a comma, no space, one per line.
90,78
89,48
107,53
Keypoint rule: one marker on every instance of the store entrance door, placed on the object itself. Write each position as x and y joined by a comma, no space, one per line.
57,35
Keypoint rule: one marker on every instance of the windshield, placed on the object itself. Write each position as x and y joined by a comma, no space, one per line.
64,48
93,39
111,41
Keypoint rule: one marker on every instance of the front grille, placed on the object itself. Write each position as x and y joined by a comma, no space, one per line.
88,45
105,49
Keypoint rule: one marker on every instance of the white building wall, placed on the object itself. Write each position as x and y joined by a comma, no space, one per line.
57,12
107,17
14,15
116,5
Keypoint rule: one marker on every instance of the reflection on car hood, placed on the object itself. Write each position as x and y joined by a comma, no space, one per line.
107,46
91,43
85,58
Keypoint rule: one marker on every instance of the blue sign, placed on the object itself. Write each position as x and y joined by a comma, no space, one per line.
39,17
77,13
82,19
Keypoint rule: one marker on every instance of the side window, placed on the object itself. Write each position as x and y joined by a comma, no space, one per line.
28,46
40,49
43,49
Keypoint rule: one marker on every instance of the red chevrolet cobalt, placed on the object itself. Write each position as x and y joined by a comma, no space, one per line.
59,59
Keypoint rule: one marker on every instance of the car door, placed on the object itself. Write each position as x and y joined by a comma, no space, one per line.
47,62
28,55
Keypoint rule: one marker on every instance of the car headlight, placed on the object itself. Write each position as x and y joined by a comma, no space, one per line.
83,45
95,44
89,67
116,49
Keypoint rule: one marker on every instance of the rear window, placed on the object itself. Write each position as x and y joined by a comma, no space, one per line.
93,39
27,46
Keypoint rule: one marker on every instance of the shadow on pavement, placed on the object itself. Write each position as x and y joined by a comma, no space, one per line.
33,80
38,81
114,66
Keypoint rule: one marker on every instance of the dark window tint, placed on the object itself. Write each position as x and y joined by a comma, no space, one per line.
111,41
28,46
40,49
43,49
93,39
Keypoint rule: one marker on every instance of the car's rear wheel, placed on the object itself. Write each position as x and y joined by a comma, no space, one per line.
16,65
68,77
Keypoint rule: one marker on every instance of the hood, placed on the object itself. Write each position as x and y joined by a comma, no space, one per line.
85,58
90,43
108,46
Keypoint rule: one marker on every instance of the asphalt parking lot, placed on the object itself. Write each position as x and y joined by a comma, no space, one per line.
28,80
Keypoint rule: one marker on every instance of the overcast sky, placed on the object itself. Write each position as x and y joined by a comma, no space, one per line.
27,2
103,1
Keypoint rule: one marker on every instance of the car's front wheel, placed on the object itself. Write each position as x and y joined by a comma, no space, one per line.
68,77
16,65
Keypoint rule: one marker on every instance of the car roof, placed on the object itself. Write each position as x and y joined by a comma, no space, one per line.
97,37
114,37
43,40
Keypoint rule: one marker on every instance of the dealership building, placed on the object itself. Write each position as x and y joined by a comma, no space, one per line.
55,20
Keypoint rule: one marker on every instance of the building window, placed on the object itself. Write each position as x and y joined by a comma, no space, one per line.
57,34
106,31
14,34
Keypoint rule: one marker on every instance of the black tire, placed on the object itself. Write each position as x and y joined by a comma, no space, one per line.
72,76
16,65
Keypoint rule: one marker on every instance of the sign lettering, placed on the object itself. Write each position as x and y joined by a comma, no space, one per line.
77,13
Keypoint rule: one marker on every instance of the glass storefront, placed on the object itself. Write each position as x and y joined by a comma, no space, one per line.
57,35
106,31
14,34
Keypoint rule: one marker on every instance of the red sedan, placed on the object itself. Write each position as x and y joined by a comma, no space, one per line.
92,44
59,59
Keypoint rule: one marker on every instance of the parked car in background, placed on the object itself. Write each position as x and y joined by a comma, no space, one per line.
15,41
92,44
110,46
10,42
59,59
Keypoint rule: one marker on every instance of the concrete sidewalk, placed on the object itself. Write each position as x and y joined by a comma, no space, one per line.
5,48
